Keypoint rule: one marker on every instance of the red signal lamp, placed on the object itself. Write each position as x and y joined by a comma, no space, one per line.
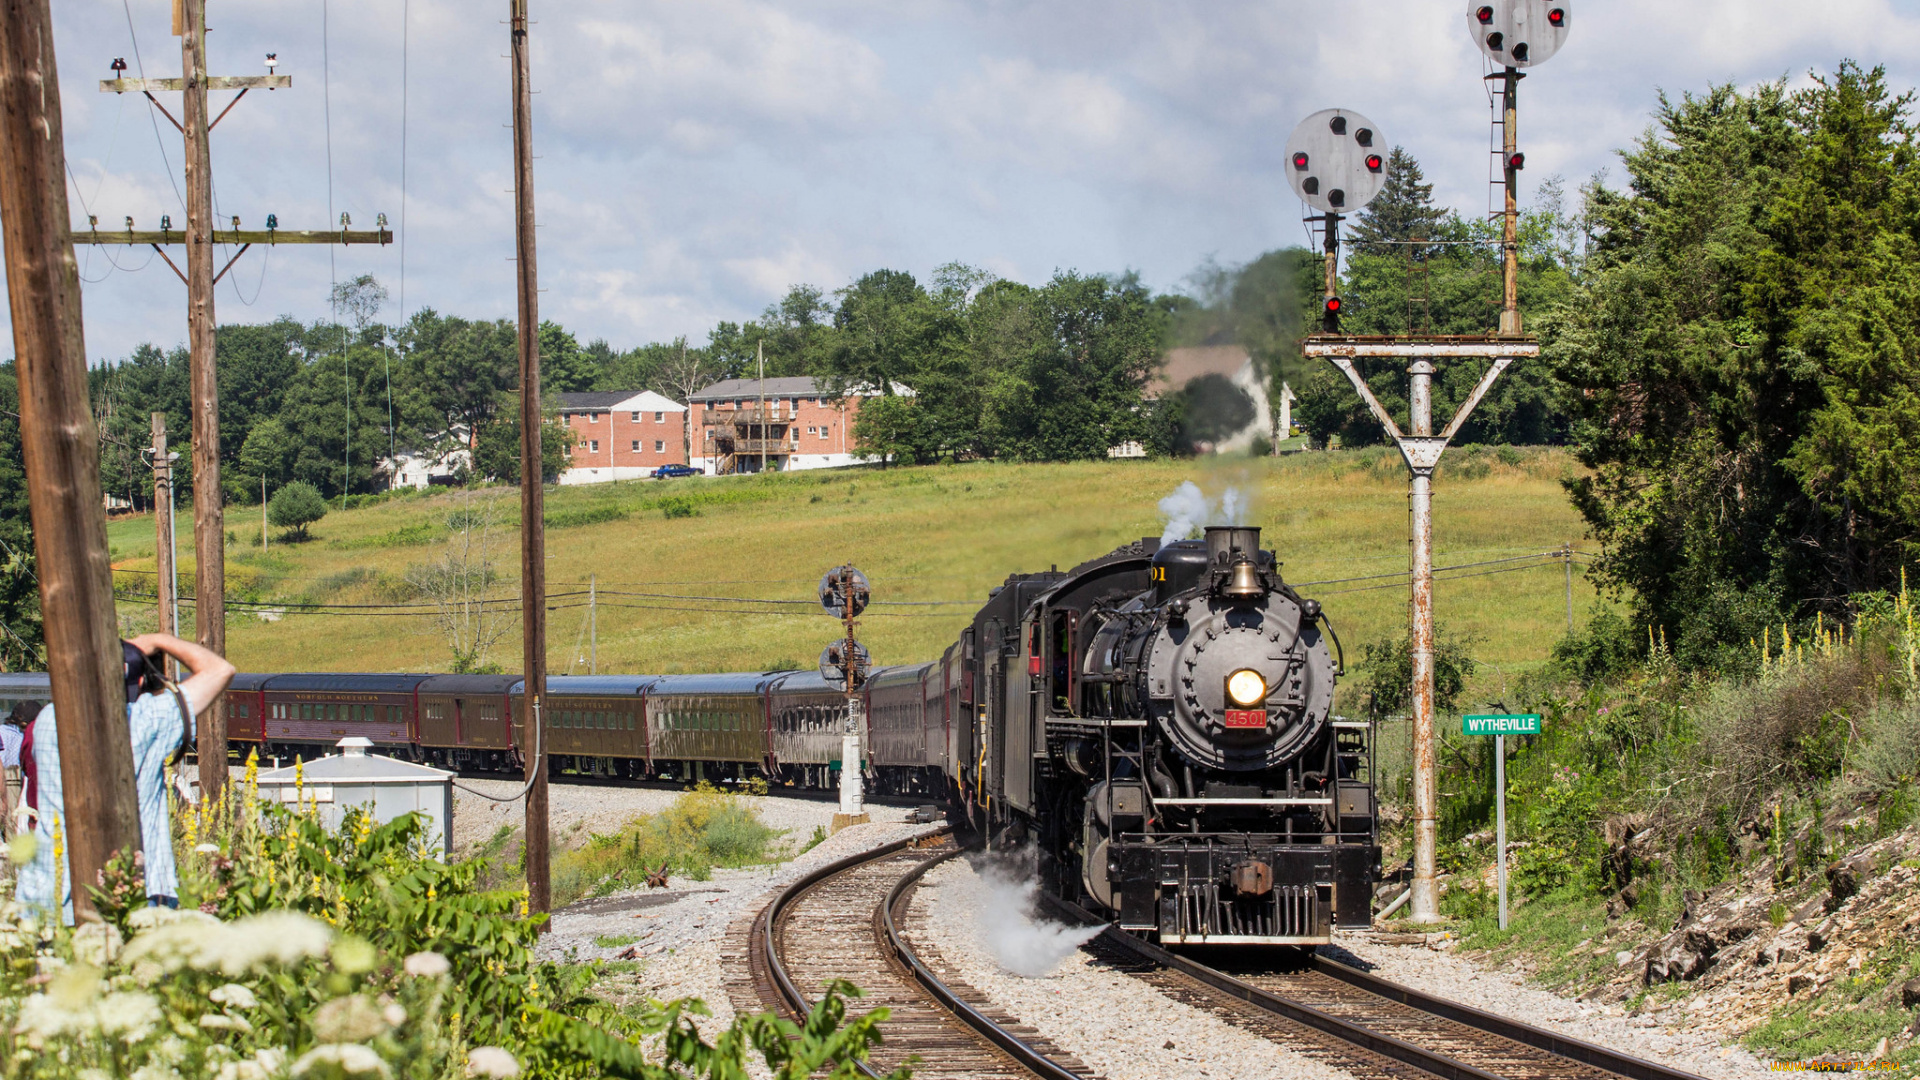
1330,316
1333,305
1374,163
1517,162
1558,16
1485,14
1300,161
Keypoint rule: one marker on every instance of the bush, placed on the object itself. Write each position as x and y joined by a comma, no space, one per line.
1388,683
679,506
702,829
350,952
296,506
1606,650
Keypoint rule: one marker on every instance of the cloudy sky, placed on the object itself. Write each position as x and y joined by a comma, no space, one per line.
698,158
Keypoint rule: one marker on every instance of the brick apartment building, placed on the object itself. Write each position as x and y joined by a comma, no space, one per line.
801,428
622,434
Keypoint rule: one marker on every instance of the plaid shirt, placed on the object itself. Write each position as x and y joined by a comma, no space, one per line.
155,726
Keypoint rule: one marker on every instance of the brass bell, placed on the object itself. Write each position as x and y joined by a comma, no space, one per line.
1244,582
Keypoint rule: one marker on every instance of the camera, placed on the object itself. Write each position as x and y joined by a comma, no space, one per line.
145,672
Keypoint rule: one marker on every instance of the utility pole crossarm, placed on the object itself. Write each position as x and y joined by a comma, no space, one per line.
237,236
214,82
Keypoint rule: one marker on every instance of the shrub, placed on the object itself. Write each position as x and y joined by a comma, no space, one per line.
700,830
296,506
679,506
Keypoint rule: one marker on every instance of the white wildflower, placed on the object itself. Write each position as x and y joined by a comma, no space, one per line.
353,955
128,1014
155,1071
394,1013
207,849
96,943
283,937
224,1022
147,918
235,995
426,965
92,1074
263,1065
351,1059
354,1019
491,1061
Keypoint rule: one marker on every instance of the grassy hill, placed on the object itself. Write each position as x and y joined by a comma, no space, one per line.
938,537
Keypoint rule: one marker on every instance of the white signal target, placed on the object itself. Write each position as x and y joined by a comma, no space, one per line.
1336,161
1519,33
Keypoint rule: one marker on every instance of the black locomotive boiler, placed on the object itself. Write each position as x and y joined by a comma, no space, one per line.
1159,722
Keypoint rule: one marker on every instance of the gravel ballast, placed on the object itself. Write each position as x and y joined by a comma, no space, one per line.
1447,974
1121,1027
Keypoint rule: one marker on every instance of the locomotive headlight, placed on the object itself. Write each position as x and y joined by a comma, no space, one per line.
1246,688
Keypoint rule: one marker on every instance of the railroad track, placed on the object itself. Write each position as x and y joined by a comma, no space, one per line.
845,921
1368,1026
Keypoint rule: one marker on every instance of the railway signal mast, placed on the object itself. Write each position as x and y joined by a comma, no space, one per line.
1333,169
844,595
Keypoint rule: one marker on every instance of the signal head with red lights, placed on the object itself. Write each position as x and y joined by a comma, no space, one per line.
1334,168
1330,315
1517,162
1519,33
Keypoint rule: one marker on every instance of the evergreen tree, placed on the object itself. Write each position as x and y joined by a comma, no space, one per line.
1403,210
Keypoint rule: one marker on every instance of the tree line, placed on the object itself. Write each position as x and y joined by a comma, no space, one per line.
1730,343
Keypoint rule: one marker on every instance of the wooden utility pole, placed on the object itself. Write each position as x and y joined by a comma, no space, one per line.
533,535
163,568
201,234
209,516
61,449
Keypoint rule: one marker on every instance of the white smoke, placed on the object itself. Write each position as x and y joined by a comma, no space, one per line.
1188,509
1001,897
1185,511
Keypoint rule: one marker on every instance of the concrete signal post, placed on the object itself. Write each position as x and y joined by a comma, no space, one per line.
844,595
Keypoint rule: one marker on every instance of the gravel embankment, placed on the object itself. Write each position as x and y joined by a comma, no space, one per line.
1121,1027
676,932
1451,975
575,810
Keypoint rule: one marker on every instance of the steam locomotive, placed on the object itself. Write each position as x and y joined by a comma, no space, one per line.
1157,722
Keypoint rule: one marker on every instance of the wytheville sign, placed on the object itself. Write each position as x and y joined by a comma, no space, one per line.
1501,724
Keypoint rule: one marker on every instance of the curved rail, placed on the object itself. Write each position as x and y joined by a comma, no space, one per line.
1039,1064
1381,1043
1539,1038
1023,1054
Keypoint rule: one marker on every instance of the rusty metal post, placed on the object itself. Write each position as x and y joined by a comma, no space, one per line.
533,538
60,450
1426,817
1510,221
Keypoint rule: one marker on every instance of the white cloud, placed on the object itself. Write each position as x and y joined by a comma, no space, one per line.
697,159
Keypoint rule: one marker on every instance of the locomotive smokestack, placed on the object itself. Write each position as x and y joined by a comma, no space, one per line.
1226,543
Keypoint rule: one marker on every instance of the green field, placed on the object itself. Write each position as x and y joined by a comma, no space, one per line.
940,533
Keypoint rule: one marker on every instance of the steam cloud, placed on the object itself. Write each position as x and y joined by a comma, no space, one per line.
1002,897
1188,510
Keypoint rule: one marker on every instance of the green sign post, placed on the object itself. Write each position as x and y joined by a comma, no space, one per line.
1500,725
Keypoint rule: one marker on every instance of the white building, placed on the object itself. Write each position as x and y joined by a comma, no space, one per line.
423,468
1236,365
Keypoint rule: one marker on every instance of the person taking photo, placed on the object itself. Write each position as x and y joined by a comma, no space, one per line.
159,721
